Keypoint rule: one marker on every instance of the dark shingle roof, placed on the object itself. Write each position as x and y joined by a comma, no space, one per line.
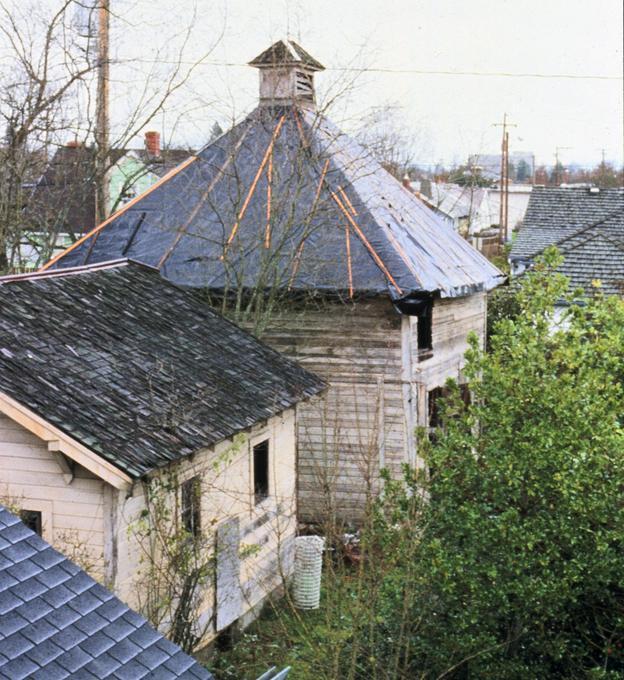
135,368
555,213
337,218
286,53
57,622
596,253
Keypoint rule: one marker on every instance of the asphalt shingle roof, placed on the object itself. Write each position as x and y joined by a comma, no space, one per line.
594,254
135,368
555,213
338,220
57,622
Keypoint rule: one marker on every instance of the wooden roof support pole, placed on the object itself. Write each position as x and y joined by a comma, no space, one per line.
366,242
252,188
297,258
347,201
350,272
296,263
183,229
304,141
267,231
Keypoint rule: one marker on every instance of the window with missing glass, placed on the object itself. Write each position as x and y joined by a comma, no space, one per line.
424,329
191,506
32,519
261,471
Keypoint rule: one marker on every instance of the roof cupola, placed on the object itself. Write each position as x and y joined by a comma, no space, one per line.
286,75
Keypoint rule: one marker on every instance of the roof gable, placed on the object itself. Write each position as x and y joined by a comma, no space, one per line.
134,368
286,53
55,617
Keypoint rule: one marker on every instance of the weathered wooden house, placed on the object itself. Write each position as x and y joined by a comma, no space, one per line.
58,622
359,280
133,417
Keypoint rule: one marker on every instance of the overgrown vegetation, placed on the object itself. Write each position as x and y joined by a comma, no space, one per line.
501,557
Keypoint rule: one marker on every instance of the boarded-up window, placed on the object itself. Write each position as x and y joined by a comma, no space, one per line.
191,505
32,519
261,470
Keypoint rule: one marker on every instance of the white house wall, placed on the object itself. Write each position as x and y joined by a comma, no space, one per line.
72,513
267,530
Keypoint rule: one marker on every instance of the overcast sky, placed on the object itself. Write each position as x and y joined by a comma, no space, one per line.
451,115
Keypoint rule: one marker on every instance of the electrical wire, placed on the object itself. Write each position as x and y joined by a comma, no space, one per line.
354,69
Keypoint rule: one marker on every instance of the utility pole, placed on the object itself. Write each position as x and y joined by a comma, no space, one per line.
102,120
503,219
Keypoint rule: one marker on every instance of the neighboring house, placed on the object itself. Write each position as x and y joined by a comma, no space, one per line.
517,203
61,204
57,622
466,208
521,166
594,257
130,411
575,219
368,287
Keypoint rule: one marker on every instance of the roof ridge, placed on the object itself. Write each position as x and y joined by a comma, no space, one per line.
68,271
589,226
590,237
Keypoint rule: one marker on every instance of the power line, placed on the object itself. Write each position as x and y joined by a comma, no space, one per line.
354,69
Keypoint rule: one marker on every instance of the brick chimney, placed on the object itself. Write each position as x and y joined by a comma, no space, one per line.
152,143
406,181
286,75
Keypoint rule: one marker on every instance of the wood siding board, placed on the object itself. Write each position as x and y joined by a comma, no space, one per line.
343,437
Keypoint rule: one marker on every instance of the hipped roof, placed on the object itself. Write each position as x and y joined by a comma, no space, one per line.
285,199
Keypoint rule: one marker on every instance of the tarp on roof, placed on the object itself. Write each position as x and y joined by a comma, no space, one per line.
285,199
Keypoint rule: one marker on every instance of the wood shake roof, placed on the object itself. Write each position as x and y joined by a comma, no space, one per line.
133,367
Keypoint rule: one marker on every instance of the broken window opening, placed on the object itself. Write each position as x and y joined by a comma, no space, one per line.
424,330
32,519
191,506
261,471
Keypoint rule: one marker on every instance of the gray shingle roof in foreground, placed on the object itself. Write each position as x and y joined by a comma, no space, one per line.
555,213
285,199
135,368
57,622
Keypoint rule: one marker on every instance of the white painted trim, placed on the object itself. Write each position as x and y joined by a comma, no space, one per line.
63,443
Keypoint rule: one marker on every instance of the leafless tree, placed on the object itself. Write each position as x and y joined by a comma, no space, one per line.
48,96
